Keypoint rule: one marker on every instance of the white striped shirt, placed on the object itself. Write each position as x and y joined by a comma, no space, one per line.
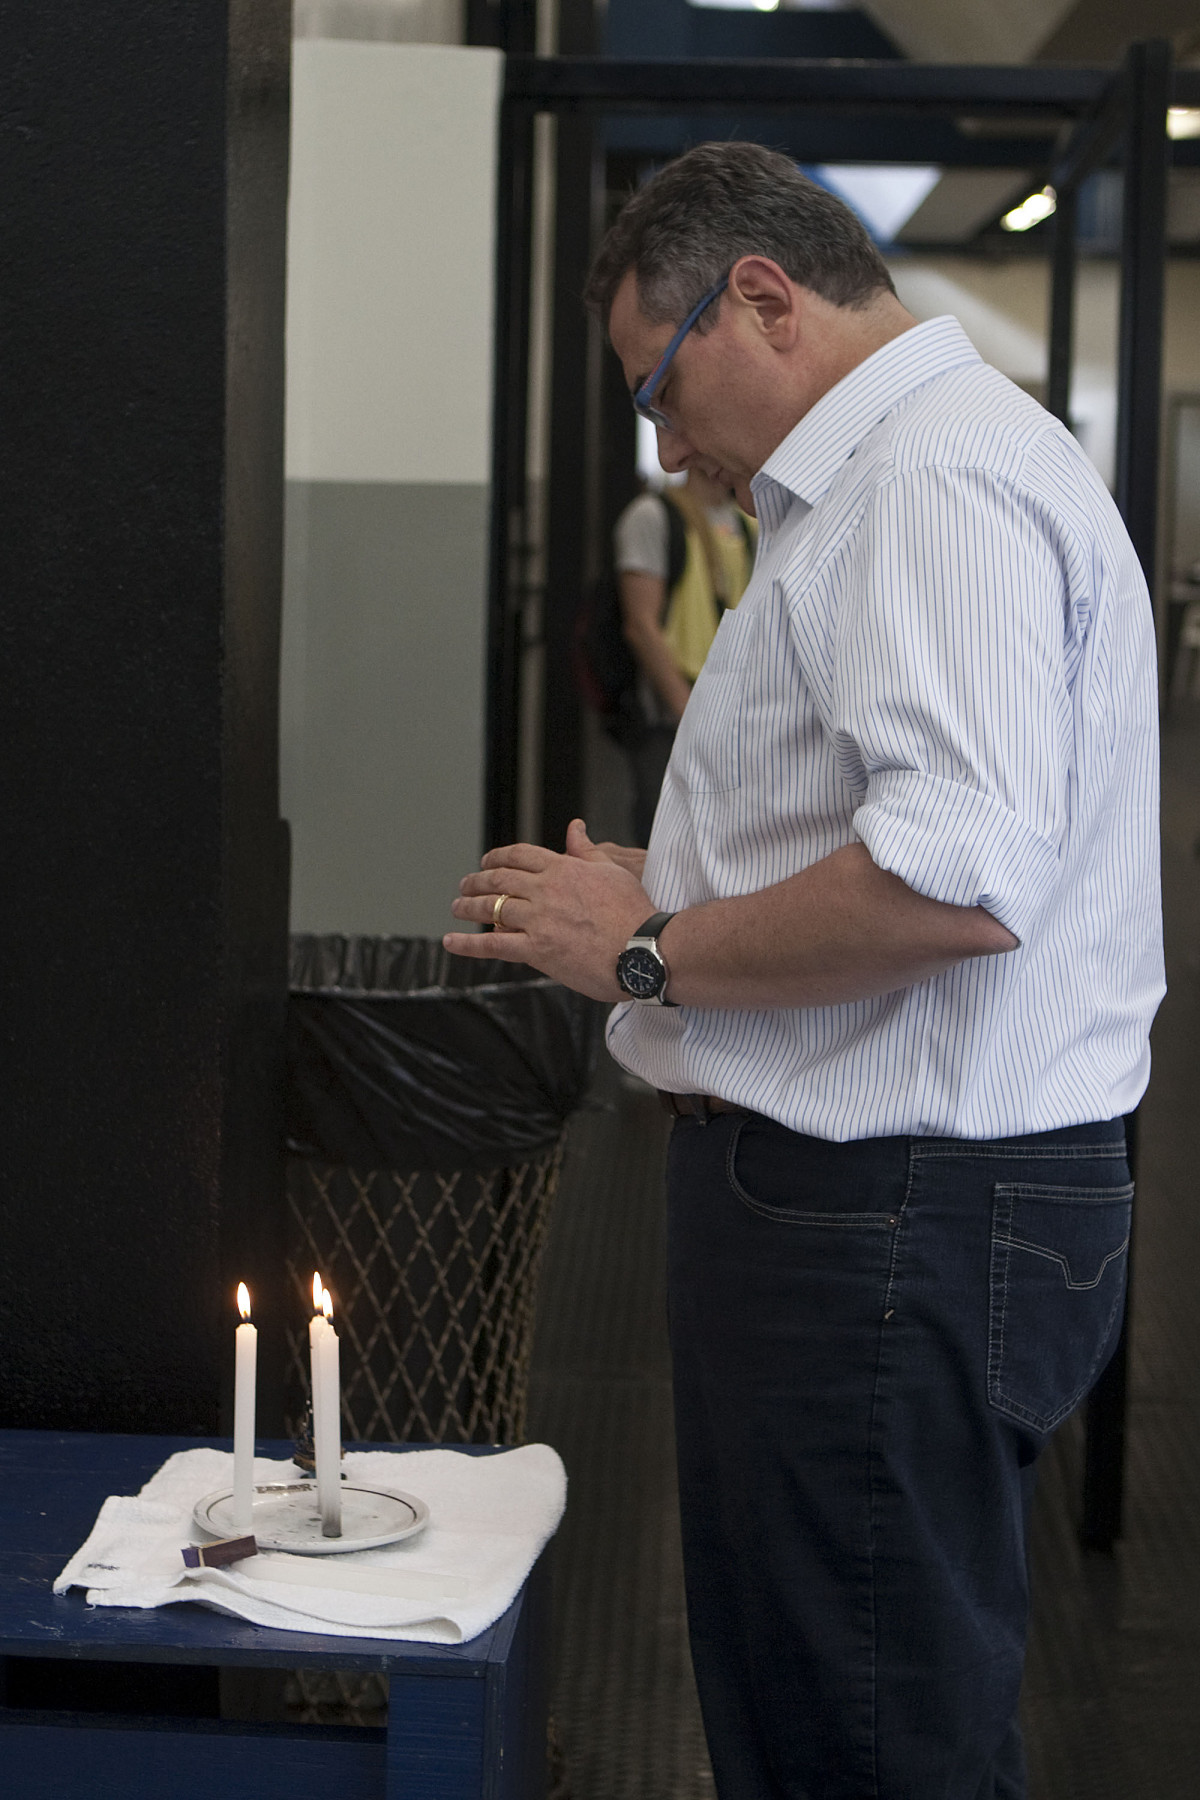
946,653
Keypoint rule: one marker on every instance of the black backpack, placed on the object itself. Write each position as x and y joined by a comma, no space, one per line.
605,669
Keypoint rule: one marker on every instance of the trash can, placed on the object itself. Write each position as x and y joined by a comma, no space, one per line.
427,1099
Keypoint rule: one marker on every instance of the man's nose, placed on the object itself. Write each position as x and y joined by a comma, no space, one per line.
673,450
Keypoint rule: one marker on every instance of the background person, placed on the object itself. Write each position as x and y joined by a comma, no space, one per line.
893,955
668,624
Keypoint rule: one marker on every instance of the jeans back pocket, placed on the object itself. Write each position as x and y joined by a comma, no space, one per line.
1058,1265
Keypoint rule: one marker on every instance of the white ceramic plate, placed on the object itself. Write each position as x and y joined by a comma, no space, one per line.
285,1517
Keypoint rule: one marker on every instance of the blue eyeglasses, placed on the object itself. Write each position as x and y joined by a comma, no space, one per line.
643,399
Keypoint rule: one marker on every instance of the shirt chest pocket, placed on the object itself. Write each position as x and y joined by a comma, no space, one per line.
708,744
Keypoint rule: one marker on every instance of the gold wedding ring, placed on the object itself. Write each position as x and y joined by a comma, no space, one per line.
497,909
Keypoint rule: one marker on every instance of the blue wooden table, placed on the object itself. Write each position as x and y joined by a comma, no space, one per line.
465,1722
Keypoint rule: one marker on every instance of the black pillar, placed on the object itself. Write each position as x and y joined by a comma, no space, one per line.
507,530
1064,257
144,921
1139,409
1143,285
573,472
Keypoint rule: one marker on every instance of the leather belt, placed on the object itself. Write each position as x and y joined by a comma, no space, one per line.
698,1106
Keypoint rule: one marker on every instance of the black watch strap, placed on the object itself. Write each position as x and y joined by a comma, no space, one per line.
654,924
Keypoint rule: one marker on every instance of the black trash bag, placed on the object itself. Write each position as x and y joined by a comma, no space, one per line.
401,1056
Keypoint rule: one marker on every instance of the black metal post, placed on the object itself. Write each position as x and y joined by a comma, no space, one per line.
1104,1419
1139,412
1143,256
567,497
1088,147
570,474
1062,305
509,428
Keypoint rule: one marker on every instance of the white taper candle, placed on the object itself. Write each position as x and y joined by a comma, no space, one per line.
328,1424
245,1375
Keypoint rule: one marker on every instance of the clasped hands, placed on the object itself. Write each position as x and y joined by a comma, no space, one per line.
568,916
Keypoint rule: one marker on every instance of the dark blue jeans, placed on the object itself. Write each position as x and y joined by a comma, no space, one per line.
871,1343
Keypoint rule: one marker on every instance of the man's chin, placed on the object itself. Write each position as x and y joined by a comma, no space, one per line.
733,484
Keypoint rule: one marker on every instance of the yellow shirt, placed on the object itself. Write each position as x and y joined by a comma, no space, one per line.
694,609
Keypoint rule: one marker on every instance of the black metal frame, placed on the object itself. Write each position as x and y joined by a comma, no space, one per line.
514,248
1132,111
1104,112
602,84
1100,103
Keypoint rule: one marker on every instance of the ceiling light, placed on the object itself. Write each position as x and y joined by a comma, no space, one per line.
1183,121
1030,212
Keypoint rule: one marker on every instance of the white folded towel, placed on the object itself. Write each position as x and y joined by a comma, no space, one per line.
490,1517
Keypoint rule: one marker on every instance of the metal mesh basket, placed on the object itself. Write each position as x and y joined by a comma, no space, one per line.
434,1279
427,1099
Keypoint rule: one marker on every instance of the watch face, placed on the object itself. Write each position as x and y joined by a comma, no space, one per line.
640,972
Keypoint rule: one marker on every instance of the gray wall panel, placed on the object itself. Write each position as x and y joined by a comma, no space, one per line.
382,702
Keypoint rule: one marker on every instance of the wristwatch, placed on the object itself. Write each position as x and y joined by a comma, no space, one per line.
641,971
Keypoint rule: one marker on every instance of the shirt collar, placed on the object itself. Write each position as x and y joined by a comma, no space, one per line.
809,457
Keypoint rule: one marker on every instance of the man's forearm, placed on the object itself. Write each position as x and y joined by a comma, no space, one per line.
842,930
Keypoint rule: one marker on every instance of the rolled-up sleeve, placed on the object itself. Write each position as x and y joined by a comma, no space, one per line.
950,694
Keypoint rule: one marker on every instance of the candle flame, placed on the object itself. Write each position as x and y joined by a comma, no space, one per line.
318,1290
327,1303
243,1299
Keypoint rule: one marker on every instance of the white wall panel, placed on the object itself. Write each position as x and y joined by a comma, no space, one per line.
390,323
390,253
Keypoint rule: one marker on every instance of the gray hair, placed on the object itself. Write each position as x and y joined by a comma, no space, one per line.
690,223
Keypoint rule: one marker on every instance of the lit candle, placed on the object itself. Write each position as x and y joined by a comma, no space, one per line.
316,1333
327,1432
243,1414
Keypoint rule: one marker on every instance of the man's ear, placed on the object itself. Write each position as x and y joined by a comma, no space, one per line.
760,285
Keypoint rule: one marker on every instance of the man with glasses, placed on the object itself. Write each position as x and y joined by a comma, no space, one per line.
892,960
